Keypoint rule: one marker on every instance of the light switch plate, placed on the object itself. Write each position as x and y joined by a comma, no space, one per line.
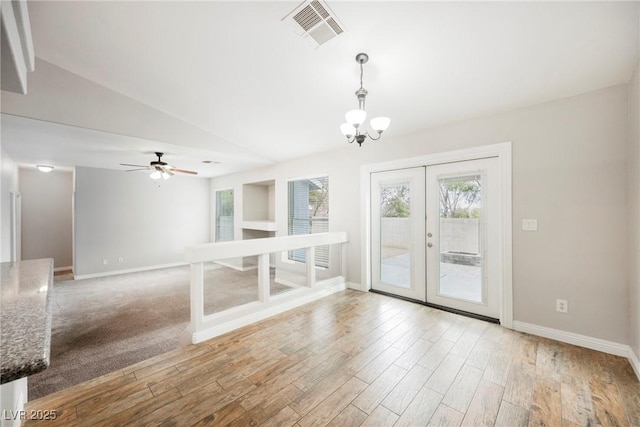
530,224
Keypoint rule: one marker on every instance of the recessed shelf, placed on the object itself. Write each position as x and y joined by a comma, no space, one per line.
259,225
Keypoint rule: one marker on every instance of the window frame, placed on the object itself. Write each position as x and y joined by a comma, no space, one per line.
217,217
322,252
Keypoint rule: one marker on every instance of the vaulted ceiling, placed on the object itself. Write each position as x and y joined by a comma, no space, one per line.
231,81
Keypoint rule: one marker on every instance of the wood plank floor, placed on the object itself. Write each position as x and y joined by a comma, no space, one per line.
355,359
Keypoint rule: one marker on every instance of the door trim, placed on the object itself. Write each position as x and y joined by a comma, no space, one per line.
503,152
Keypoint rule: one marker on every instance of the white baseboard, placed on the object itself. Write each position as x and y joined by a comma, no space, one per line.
319,283
62,268
582,341
355,286
236,267
286,282
573,338
331,282
128,270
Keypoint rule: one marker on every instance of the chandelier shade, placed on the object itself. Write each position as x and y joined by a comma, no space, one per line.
380,124
355,117
347,130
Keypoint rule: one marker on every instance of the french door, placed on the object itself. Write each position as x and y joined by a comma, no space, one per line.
435,232
398,202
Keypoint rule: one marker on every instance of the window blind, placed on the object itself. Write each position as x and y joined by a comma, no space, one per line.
224,215
309,213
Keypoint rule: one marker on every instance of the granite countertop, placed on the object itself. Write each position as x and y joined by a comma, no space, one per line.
25,317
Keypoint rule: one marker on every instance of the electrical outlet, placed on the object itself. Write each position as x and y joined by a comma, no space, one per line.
120,259
105,261
562,306
530,224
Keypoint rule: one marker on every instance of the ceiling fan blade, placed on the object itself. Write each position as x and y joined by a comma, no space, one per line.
136,166
184,171
159,166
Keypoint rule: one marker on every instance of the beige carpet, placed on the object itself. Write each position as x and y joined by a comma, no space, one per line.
104,324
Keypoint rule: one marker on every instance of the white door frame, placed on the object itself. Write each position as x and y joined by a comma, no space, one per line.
503,152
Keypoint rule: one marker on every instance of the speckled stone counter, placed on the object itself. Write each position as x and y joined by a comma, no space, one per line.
25,318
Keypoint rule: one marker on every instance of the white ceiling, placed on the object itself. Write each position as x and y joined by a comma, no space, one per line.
236,71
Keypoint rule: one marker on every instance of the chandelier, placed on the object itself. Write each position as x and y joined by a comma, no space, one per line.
355,118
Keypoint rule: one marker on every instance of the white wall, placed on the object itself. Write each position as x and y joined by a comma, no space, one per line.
59,96
46,215
8,183
147,223
255,203
569,172
633,218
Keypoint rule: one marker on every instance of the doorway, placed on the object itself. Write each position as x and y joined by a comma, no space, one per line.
435,235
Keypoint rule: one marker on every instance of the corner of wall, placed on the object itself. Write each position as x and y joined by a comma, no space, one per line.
633,213
355,286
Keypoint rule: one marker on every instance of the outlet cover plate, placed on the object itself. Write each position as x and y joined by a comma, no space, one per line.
530,224
562,306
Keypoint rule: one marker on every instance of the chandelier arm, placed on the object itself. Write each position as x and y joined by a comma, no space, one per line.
372,138
355,136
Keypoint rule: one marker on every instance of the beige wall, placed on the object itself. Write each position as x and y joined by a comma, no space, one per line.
47,215
569,172
633,218
134,222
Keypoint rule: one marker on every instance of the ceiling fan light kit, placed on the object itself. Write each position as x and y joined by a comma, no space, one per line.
355,118
159,169
157,174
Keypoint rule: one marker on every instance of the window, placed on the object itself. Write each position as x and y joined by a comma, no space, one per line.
224,215
309,213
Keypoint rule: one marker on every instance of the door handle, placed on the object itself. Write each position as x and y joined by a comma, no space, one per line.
429,234
429,245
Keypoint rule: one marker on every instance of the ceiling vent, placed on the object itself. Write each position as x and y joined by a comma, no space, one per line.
314,21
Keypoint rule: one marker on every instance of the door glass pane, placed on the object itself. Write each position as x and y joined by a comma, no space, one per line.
395,234
461,238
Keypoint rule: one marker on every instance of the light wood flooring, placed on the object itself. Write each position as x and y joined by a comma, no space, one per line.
355,359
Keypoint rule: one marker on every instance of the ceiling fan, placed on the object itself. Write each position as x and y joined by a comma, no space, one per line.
159,168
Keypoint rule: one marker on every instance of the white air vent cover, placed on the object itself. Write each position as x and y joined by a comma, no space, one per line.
314,21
